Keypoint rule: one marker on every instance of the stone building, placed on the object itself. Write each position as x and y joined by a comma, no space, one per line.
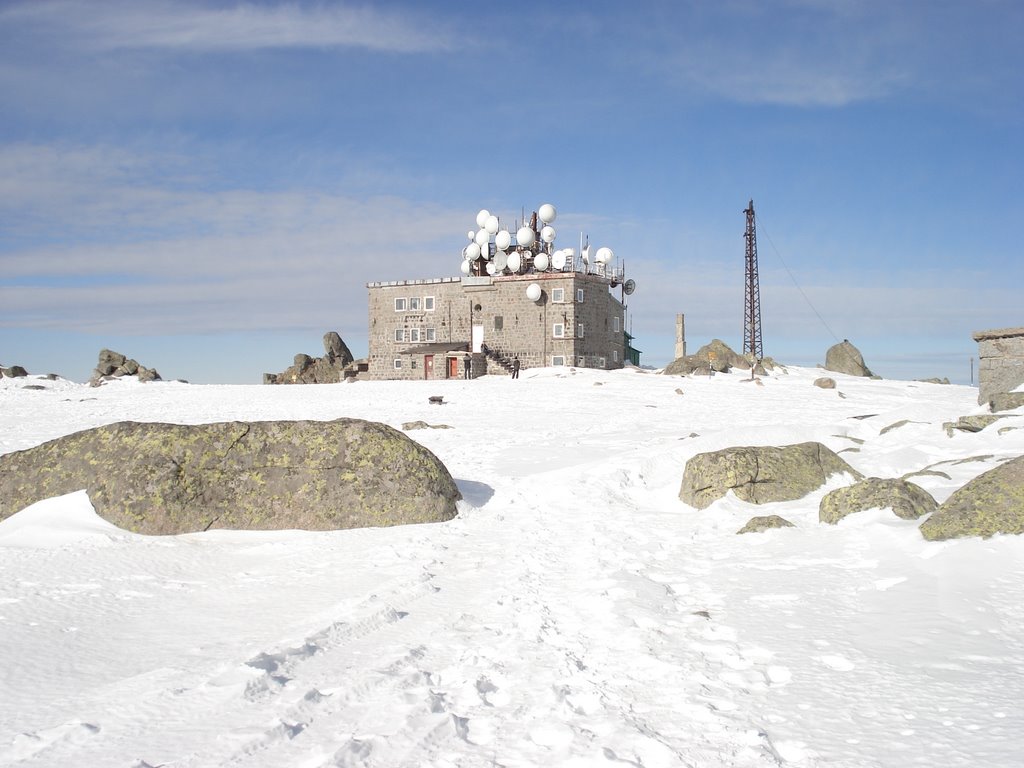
1001,361
434,329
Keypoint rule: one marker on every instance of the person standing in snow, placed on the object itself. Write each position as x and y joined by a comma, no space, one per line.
515,367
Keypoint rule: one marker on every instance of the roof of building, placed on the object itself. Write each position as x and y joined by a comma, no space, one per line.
438,348
997,333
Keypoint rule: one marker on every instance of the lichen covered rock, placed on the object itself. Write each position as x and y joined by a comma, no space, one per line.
907,500
765,523
172,478
991,503
760,474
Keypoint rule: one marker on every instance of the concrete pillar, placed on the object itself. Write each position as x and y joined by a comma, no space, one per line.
680,337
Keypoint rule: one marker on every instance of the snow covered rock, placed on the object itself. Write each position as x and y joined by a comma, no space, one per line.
907,500
170,478
329,369
846,358
825,383
112,365
764,523
991,503
760,474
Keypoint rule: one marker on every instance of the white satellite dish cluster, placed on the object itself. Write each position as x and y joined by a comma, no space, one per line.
496,250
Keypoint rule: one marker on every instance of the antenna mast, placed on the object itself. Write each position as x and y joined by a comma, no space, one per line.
752,304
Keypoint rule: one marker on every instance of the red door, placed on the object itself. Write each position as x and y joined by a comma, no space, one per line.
453,367
428,366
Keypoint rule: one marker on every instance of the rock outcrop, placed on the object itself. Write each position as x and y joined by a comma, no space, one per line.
991,503
172,478
114,365
716,356
13,372
336,363
846,358
760,474
907,500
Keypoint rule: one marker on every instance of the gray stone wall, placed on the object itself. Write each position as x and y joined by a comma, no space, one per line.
558,328
1001,361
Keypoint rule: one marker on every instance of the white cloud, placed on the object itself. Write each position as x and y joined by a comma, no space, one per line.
242,26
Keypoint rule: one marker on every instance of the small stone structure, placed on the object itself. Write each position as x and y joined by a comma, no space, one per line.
1001,366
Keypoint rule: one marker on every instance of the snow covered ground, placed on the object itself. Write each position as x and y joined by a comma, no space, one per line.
575,613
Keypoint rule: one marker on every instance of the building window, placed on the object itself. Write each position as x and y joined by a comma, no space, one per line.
398,363
581,361
431,334
399,334
414,334
579,295
499,322
615,355
558,295
428,303
615,324
414,304
412,364
558,330
558,360
579,330
399,305
600,362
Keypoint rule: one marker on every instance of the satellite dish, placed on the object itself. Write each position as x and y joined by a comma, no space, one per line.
500,261
628,287
491,269
502,240
491,225
533,292
481,217
472,251
603,255
547,213
514,262
482,238
541,262
471,234
465,266
558,260
525,237
547,234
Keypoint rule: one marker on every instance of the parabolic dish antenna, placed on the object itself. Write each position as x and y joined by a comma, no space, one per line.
502,240
533,292
491,225
471,234
547,213
465,266
541,262
603,255
558,260
525,237
628,287
547,234
500,260
481,217
491,269
472,251
482,238
514,262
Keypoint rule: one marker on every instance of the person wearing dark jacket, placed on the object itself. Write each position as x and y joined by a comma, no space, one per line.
515,368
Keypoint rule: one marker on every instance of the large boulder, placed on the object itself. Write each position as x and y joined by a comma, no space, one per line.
760,474
991,503
716,356
846,358
171,478
114,365
907,500
334,366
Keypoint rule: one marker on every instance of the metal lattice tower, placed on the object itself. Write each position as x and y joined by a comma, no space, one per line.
752,304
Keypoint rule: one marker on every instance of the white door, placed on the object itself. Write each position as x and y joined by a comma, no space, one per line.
478,337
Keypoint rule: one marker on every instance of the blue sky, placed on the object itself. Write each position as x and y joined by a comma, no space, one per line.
208,187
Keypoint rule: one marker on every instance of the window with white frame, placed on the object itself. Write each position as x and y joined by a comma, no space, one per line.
615,324
600,362
399,334
431,334
579,295
558,330
558,360
414,334
399,305
581,361
398,363
615,355
558,295
428,303
414,304
579,330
